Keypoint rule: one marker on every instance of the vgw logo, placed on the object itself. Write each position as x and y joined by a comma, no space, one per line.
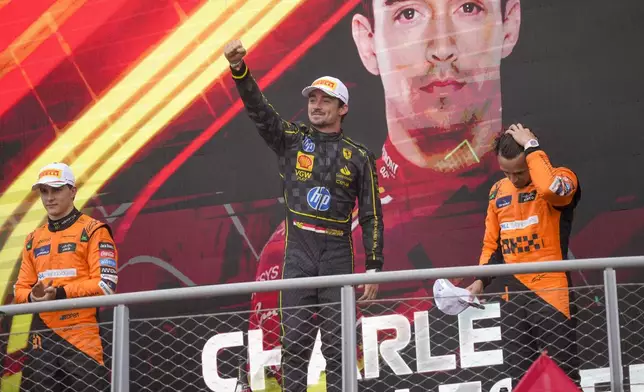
319,198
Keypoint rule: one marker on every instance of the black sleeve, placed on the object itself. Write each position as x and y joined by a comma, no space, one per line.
495,258
370,212
277,132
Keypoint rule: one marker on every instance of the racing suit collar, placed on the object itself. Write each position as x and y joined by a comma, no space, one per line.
322,136
64,223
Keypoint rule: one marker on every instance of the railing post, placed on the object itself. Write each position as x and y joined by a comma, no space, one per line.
121,349
612,325
349,350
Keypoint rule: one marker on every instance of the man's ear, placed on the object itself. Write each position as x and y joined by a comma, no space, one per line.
344,109
511,26
363,37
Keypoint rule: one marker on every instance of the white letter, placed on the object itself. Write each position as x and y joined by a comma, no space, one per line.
258,358
590,377
389,348
425,361
469,336
209,360
636,376
317,364
462,387
506,382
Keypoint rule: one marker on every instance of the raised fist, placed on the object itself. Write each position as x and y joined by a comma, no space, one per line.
234,51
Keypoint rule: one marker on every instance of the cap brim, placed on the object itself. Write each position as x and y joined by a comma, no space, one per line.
53,184
307,91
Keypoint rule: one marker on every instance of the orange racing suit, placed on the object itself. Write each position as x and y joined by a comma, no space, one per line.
527,225
78,254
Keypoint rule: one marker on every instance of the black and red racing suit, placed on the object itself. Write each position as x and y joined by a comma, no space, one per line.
323,175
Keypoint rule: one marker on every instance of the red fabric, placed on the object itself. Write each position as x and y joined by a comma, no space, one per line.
545,376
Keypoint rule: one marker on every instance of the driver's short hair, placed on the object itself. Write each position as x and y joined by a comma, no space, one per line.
506,146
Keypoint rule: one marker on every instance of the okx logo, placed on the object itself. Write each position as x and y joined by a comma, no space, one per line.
319,198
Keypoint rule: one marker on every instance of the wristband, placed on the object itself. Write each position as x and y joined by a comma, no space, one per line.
532,143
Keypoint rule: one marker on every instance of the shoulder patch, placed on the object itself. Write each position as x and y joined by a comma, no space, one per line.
30,242
495,190
84,236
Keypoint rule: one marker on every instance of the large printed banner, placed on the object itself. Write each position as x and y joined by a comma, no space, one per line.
137,97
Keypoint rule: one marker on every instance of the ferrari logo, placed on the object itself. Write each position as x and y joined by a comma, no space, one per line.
347,153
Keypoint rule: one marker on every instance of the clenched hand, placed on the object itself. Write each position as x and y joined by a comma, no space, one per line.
234,52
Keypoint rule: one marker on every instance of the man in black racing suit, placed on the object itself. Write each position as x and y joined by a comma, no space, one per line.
323,173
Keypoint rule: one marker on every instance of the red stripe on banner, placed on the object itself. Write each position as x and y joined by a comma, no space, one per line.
155,183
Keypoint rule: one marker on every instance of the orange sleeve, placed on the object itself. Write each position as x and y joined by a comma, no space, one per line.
102,258
556,185
491,253
27,277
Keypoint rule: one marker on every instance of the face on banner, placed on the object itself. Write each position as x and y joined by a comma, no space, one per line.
439,62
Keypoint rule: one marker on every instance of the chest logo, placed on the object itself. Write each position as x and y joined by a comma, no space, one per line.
319,198
67,247
42,251
304,162
527,197
346,153
308,145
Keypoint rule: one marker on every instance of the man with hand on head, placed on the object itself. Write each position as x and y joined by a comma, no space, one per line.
529,218
70,256
323,173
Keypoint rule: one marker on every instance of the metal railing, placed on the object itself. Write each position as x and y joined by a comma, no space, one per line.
122,326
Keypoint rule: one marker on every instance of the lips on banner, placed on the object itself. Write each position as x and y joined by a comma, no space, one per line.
545,376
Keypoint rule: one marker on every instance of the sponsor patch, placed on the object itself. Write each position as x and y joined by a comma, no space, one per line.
561,186
303,175
520,224
325,82
319,198
30,243
504,201
345,170
308,145
304,162
106,289
346,153
50,173
108,271
494,192
108,263
110,284
343,183
110,277
522,244
57,273
42,251
69,316
527,197
106,253
84,236
106,246
67,247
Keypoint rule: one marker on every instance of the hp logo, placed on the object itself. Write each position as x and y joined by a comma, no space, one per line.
308,145
319,198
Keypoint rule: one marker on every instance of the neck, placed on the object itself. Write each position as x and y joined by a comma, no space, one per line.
328,129
62,215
